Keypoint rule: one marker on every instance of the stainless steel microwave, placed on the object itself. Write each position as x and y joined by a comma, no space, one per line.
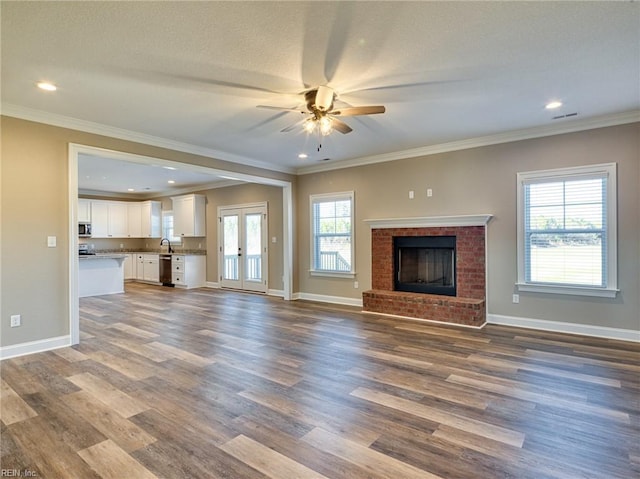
84,230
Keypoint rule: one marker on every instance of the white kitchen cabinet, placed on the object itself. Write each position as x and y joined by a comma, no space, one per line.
134,219
188,271
139,272
151,219
151,268
130,266
84,210
189,215
109,219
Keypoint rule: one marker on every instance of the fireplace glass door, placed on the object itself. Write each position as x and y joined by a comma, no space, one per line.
425,264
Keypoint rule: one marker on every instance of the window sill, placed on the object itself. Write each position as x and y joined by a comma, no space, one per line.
332,274
570,290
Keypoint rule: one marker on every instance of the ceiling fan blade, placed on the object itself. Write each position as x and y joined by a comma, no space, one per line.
290,127
359,110
340,126
281,108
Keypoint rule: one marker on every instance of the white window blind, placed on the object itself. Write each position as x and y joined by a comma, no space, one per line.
332,233
566,235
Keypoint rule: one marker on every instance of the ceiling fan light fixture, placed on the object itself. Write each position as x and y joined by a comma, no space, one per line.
309,125
325,125
324,98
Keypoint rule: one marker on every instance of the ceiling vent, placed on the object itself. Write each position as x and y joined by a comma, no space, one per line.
568,115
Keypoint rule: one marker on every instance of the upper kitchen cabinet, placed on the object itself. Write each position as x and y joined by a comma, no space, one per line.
109,219
151,226
189,215
84,211
144,219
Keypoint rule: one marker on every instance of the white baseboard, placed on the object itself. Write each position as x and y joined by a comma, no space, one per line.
569,328
276,292
32,347
212,284
329,299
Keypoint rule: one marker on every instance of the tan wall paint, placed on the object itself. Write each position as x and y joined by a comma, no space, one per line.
483,180
35,205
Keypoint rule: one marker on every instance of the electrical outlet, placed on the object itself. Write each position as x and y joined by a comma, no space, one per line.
355,284
411,194
16,320
516,298
429,192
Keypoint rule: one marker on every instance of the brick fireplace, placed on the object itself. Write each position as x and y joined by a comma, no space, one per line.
467,307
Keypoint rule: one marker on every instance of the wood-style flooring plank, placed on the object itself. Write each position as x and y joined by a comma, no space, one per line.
104,392
213,383
111,462
269,462
376,464
490,431
12,407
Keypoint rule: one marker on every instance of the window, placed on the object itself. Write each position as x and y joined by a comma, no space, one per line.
567,231
167,228
332,234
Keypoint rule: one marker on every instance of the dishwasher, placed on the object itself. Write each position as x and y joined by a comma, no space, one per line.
165,270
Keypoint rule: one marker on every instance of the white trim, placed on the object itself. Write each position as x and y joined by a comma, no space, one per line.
431,321
571,290
430,221
212,285
62,121
74,289
606,170
32,347
322,298
563,327
332,197
557,128
275,292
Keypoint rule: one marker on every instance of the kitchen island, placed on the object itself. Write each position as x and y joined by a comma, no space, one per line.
100,274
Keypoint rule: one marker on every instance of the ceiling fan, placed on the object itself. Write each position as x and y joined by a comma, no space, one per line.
321,112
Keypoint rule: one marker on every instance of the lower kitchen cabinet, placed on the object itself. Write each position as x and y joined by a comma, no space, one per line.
130,265
188,271
151,268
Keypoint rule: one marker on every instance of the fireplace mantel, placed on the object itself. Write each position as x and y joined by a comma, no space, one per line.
429,221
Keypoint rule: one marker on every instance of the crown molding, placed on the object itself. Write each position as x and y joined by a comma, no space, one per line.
39,116
566,126
507,137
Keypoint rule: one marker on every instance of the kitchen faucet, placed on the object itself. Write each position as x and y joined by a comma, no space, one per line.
168,242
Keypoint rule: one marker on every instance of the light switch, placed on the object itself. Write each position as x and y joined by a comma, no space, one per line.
51,241
274,239
411,194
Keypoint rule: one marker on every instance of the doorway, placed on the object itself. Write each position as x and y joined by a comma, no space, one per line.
242,247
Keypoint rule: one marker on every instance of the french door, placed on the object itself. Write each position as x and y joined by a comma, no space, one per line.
242,247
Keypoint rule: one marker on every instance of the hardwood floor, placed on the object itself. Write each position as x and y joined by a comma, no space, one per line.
214,384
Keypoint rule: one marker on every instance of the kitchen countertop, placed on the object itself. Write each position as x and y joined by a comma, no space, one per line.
199,252
102,256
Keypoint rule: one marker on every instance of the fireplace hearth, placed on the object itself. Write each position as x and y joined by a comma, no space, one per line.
425,264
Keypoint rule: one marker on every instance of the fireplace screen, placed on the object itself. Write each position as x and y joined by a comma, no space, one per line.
425,264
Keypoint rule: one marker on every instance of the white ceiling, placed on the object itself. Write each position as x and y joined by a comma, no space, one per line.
189,75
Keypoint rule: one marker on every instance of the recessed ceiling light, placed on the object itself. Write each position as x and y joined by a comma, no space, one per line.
302,156
130,189
171,182
552,105
169,168
43,85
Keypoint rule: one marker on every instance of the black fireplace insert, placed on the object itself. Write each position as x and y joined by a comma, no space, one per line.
425,264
